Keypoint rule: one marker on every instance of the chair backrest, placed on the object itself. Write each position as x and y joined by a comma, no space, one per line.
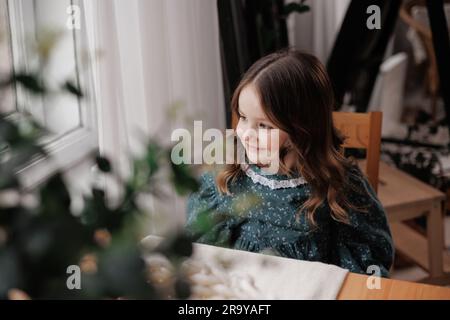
362,131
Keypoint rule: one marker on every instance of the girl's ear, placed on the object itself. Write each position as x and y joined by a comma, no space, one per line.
288,145
285,148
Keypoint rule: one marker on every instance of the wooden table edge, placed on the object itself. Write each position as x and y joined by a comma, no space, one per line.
355,287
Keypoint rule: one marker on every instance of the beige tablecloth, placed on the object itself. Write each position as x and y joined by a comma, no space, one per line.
275,277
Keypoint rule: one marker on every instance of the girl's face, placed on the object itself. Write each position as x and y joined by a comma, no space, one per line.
259,136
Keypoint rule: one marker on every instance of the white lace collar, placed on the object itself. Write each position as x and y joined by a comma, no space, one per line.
271,183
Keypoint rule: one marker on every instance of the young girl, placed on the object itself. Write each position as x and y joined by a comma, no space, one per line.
319,206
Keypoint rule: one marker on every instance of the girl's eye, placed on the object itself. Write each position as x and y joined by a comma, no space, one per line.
241,117
265,126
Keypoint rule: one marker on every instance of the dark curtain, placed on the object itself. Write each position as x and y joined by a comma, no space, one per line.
234,47
267,30
249,29
441,43
358,51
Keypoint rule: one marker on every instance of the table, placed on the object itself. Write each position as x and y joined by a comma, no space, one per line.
405,197
354,286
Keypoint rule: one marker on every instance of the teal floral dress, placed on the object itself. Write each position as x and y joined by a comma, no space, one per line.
260,215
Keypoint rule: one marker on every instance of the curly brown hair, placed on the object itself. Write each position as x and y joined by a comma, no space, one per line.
297,96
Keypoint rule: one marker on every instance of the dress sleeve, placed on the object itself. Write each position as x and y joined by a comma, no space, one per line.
208,221
365,244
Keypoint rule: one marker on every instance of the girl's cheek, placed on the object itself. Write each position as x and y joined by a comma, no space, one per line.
247,134
274,140
240,131
264,139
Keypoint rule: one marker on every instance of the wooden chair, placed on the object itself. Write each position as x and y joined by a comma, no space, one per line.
403,197
362,131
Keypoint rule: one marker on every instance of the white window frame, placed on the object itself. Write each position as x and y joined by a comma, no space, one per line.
68,149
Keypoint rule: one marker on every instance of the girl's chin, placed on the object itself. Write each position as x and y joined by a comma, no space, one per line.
257,158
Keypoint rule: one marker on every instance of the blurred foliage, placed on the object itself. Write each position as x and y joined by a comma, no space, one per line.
41,236
39,241
295,7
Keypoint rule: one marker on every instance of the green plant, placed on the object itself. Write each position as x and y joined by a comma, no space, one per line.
41,236
295,7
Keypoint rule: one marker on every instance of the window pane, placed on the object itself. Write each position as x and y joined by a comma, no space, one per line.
7,96
42,23
61,112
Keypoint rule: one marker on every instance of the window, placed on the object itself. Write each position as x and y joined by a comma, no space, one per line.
32,24
7,98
